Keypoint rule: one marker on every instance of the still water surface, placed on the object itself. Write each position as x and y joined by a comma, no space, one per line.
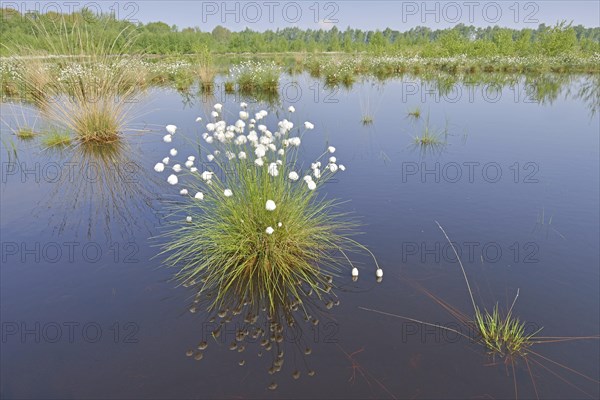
88,310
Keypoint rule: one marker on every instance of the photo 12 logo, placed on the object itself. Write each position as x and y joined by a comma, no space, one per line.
471,251
253,12
89,10
469,172
69,332
470,12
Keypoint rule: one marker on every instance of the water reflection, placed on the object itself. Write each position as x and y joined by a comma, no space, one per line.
99,187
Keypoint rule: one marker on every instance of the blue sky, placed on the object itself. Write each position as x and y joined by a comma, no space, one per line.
400,15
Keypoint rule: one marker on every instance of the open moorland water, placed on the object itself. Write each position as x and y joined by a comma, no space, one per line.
89,310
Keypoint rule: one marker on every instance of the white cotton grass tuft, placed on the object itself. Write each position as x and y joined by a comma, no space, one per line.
227,192
218,107
331,149
198,119
167,138
309,125
293,176
172,179
193,169
210,157
311,185
379,273
354,272
189,164
171,129
188,219
159,167
165,160
214,114
199,196
177,168
291,109
191,158
183,192
269,230
279,224
270,205
342,167
173,152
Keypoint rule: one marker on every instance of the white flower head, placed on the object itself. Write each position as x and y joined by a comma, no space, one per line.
210,157
193,169
270,206
259,162
206,175
332,159
188,218
177,168
308,125
165,160
273,169
242,155
218,107
191,158
214,114
183,192
172,179
342,167
198,119
293,176
269,230
199,196
159,167
279,224
167,138
333,167
227,193
331,149
189,164
171,129
243,105
291,109
244,115
173,152
311,185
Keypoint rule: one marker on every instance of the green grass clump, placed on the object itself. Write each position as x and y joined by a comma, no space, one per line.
238,252
25,133
92,84
255,76
367,120
415,113
57,139
502,335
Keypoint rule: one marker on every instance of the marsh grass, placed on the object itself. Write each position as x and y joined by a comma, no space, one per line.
415,113
257,76
91,93
56,138
25,133
226,250
504,336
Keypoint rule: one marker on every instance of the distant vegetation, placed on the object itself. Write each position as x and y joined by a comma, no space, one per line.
17,32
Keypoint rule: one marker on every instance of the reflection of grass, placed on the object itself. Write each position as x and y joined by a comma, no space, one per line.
229,87
57,139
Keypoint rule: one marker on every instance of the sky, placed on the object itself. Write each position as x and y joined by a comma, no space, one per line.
363,14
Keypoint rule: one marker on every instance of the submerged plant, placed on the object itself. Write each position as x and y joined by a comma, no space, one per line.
255,231
56,138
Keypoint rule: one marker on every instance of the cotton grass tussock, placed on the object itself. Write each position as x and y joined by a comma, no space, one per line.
260,236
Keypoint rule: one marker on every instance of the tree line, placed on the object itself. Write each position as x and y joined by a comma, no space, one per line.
21,31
